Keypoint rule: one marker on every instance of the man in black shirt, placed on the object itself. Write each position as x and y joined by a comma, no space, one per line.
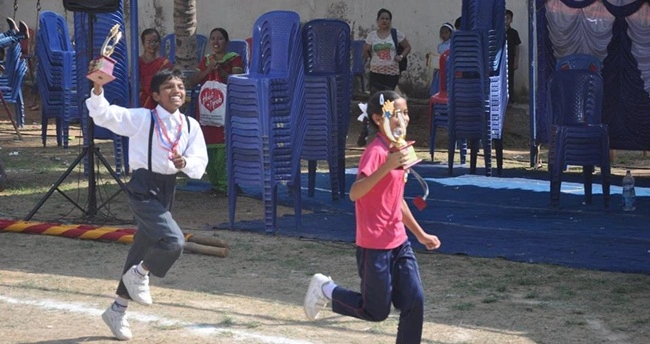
512,36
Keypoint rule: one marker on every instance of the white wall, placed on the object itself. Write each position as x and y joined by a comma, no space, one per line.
420,20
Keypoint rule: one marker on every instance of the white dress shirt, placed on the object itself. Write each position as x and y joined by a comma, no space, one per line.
135,124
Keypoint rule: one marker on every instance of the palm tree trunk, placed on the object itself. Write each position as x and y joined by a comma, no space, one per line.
185,30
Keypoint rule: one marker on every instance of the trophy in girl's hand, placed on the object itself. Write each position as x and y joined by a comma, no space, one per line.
397,136
101,68
399,143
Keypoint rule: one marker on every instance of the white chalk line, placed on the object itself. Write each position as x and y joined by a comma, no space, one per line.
198,329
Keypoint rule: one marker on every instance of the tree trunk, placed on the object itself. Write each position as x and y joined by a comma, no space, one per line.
185,30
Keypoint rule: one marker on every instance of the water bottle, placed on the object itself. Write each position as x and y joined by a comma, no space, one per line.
629,196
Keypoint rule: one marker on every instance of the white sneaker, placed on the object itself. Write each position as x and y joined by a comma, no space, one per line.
116,321
137,286
315,300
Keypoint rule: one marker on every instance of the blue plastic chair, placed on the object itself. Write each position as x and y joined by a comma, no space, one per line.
321,135
579,61
487,17
56,76
201,43
358,65
577,135
15,69
261,111
116,92
240,47
468,107
168,47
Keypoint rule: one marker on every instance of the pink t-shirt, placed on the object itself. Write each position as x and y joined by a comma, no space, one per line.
379,212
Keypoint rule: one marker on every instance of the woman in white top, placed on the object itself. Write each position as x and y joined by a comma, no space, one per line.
381,47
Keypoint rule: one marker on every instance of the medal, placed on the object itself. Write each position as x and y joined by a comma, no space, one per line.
163,134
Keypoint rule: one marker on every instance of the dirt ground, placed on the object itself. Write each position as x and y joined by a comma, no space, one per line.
53,289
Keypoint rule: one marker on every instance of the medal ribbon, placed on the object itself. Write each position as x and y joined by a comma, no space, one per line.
163,134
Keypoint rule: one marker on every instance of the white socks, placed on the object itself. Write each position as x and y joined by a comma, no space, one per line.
120,304
328,289
141,270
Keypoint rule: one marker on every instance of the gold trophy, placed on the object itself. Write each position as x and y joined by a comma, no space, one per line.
397,137
399,143
101,68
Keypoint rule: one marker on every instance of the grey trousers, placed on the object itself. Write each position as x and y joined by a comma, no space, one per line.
158,242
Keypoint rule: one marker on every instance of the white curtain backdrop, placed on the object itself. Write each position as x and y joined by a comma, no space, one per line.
589,30
579,30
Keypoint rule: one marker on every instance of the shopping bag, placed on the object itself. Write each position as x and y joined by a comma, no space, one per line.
212,104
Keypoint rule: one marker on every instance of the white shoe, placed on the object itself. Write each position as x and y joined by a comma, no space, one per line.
137,286
116,321
315,300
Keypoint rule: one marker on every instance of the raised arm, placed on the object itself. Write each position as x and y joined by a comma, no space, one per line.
115,118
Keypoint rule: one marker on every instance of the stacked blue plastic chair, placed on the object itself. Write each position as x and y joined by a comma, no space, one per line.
488,18
116,91
579,61
321,131
358,65
56,76
343,104
12,82
168,47
240,47
577,135
261,111
469,113
201,44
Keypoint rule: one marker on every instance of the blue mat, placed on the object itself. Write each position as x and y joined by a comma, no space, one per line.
508,217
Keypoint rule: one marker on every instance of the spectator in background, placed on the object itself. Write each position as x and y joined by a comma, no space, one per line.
217,66
150,63
512,36
457,23
445,37
385,60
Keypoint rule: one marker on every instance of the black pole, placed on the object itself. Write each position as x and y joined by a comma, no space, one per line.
92,195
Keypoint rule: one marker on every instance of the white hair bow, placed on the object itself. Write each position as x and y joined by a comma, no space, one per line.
364,113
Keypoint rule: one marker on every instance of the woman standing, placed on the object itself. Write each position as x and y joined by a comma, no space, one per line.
216,67
382,47
150,64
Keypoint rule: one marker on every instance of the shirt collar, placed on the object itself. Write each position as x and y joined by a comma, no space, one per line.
163,114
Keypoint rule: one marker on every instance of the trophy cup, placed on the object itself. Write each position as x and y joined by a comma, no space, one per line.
101,68
397,137
399,143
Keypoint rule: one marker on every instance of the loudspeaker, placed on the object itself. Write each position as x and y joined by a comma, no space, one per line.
91,6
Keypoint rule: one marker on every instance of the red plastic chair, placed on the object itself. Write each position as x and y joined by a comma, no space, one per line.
438,109
441,96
